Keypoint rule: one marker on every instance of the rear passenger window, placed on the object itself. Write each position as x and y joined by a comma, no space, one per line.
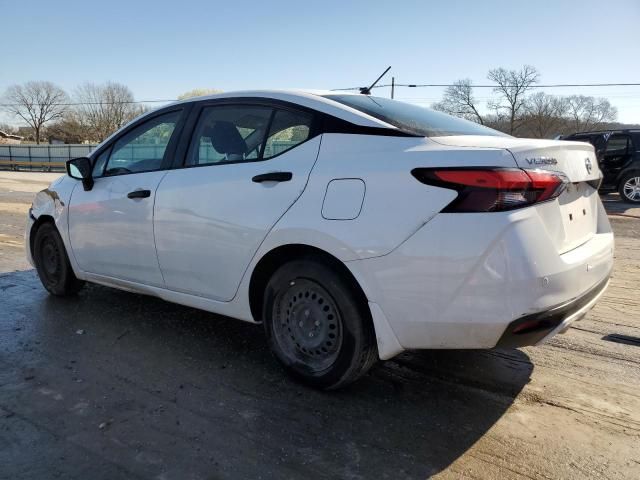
288,129
618,144
228,133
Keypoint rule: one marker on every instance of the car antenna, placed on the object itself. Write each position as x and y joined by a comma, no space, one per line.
367,90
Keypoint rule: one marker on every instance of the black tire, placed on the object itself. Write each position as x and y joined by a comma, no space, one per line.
317,325
52,262
629,187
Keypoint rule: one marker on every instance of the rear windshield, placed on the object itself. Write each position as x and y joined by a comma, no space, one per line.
411,118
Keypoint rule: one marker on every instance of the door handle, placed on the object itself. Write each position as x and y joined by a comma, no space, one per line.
139,194
273,177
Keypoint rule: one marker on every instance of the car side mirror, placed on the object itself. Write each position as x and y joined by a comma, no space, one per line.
80,169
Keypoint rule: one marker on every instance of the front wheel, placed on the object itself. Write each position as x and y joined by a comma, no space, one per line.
317,325
630,187
52,262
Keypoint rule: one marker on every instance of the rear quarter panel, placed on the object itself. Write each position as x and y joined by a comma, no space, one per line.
395,205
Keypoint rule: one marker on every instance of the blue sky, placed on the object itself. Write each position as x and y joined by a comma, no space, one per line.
161,49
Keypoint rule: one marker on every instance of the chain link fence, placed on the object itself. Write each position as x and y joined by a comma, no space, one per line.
46,158
52,158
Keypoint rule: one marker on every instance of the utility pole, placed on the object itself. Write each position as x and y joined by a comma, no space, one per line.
393,85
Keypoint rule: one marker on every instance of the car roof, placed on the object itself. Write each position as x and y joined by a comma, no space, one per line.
314,99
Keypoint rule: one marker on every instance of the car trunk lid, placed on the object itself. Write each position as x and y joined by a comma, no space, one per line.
572,220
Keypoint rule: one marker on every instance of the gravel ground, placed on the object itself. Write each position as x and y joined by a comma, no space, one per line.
117,385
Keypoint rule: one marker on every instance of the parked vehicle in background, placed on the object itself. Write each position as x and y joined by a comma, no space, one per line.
352,227
618,154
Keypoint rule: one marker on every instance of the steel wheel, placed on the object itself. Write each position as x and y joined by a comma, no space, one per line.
317,323
52,262
307,325
631,189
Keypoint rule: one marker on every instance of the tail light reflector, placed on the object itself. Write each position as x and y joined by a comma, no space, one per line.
494,189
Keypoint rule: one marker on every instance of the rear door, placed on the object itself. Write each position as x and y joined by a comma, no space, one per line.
111,225
617,154
245,165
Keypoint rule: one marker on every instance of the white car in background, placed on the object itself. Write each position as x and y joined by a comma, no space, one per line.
352,227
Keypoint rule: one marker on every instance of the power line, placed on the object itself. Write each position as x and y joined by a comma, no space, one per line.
387,85
74,104
551,85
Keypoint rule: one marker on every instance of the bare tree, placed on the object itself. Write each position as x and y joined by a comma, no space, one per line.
68,129
511,87
37,103
458,100
588,113
545,114
103,109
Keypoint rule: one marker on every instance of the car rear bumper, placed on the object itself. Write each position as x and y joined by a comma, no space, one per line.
465,280
536,328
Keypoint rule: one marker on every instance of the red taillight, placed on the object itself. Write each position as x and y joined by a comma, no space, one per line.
549,184
494,189
500,179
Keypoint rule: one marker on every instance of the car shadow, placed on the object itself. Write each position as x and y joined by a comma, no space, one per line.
151,388
614,205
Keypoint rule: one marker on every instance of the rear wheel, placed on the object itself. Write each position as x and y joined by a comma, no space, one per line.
317,326
52,262
629,188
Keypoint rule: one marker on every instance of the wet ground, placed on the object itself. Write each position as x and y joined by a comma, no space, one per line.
117,385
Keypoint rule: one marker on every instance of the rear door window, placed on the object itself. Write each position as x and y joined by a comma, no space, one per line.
229,134
246,133
618,145
288,129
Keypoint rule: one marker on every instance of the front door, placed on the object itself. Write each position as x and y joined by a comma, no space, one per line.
111,225
246,165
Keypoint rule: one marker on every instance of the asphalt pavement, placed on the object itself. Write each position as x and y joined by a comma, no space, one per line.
111,384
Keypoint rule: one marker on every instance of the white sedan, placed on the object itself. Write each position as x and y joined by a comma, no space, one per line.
353,227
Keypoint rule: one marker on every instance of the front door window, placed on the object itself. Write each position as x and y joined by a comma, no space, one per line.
143,148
